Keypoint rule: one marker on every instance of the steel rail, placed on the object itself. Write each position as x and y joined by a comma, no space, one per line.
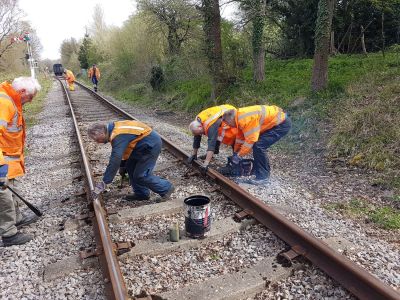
352,277
109,262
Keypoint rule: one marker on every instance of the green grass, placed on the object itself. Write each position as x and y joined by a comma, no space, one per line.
384,217
356,118
32,109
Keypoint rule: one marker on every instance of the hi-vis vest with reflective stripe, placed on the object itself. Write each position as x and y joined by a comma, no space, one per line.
69,76
252,121
139,129
12,134
210,115
227,134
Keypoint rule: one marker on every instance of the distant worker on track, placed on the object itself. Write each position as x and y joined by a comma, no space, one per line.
209,122
70,78
94,75
259,127
135,146
12,140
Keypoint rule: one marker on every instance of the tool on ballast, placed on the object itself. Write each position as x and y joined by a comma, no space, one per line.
30,205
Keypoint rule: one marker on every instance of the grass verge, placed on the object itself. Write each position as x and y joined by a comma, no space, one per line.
383,217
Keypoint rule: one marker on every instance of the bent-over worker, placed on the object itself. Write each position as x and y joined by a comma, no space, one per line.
209,122
259,127
139,146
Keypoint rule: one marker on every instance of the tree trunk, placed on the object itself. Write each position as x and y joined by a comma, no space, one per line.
364,49
333,50
212,30
383,33
322,36
257,41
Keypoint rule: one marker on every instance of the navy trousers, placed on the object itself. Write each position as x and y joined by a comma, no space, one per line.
140,167
266,140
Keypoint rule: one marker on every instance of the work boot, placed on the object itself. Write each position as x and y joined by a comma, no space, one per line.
136,197
17,239
258,182
167,195
26,220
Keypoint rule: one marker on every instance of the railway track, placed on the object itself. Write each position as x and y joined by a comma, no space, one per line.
235,260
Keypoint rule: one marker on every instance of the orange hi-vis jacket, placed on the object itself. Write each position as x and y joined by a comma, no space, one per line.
130,127
91,73
69,76
252,121
209,116
12,131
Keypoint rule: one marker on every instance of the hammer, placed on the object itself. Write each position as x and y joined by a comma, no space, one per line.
30,205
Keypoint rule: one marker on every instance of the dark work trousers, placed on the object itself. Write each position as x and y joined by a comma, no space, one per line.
140,167
260,148
95,81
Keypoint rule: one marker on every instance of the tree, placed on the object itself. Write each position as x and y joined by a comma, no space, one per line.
255,11
173,16
69,54
212,30
10,16
322,45
83,55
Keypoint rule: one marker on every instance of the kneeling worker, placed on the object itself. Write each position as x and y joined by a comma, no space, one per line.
138,145
259,127
209,122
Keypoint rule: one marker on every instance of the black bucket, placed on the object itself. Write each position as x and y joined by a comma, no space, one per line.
197,216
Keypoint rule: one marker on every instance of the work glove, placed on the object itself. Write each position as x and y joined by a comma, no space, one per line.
99,188
3,174
203,169
191,159
122,168
236,159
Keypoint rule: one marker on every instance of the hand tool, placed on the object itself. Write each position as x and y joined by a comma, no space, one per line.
30,205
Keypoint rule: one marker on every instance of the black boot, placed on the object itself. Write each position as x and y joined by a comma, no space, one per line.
17,239
135,197
26,220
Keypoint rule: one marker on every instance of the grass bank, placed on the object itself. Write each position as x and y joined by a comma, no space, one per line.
356,119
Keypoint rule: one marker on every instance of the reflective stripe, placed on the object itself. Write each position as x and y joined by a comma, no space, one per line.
131,127
279,118
246,134
248,145
14,124
250,113
239,141
216,116
3,123
11,158
221,137
263,113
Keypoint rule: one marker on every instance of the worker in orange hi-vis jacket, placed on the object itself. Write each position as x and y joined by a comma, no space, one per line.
70,78
12,141
259,127
209,123
94,75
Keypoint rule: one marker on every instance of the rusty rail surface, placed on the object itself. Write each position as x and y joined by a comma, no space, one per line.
352,277
114,282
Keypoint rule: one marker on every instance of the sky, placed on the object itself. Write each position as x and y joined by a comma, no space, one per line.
55,20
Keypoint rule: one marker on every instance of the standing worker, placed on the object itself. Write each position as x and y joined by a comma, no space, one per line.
209,122
94,75
259,127
138,146
70,78
12,141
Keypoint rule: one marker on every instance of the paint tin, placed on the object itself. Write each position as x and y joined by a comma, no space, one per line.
197,216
